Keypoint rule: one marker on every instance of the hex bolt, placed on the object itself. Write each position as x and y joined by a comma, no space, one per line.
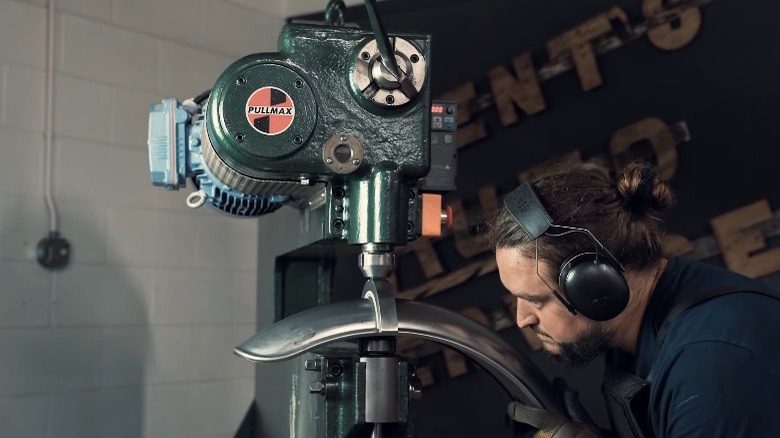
297,140
365,56
317,388
338,225
240,137
312,364
240,80
414,58
298,83
390,99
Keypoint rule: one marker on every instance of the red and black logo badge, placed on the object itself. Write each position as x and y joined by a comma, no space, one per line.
270,110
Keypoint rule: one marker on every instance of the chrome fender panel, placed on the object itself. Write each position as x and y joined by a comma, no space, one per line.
347,320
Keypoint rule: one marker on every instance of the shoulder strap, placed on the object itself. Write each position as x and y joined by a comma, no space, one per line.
686,304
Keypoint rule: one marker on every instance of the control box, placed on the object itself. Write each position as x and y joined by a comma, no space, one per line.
444,147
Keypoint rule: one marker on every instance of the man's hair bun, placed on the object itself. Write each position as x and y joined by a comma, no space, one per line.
642,190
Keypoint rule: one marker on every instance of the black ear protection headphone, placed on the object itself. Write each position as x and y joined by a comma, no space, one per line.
592,282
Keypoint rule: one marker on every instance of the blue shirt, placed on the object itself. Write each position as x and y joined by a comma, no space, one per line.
717,373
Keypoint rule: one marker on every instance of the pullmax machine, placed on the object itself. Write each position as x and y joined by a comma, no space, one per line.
336,124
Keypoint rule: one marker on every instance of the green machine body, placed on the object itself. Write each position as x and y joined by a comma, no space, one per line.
324,122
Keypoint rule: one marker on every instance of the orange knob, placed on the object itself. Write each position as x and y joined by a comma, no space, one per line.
431,215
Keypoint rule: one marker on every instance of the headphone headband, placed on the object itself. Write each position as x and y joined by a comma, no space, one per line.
528,211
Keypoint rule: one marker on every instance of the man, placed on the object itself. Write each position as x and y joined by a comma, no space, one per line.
583,254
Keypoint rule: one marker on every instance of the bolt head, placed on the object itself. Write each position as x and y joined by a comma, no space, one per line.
312,365
317,387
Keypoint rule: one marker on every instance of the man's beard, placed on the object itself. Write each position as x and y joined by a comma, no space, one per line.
583,350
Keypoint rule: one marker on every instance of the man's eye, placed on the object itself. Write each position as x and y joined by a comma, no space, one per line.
536,303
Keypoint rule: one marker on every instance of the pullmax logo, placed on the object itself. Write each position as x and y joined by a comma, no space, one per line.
270,110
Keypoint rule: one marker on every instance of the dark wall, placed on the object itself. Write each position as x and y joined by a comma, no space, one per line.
723,85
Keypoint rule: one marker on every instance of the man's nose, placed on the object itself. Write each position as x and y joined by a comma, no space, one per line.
525,314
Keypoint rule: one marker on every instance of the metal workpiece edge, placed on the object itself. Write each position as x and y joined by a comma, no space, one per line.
346,320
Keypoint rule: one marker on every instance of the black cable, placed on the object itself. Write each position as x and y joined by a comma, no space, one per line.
334,13
200,98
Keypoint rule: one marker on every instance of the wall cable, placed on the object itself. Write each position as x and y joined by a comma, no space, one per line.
53,251
49,111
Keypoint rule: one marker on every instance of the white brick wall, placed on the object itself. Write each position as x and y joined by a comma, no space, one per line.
134,338
300,7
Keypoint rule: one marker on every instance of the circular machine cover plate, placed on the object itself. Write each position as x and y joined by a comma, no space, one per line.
268,111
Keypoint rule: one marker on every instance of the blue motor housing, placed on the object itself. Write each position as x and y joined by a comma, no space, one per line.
175,154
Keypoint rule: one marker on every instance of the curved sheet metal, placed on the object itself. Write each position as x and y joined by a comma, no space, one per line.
353,319
307,330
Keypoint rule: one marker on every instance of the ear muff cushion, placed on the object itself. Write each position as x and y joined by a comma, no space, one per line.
593,286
